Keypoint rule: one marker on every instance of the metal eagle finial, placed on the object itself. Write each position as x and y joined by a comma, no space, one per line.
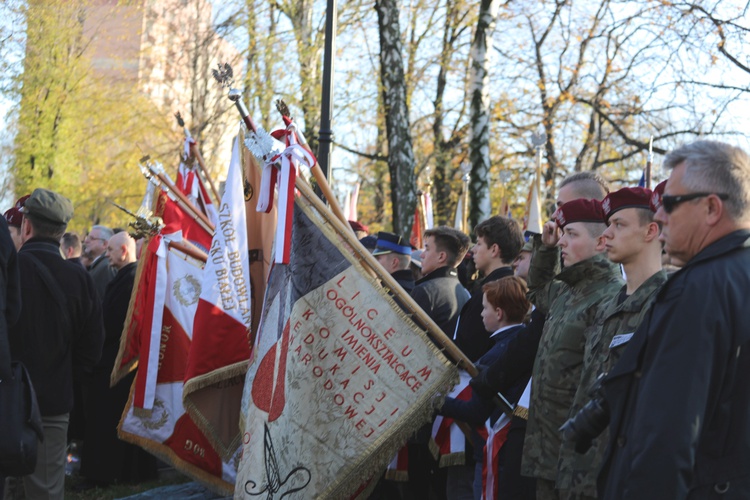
180,120
282,108
224,75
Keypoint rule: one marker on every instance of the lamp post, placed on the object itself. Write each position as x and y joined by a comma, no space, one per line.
325,137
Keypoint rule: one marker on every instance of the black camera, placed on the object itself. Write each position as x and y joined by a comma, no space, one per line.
590,421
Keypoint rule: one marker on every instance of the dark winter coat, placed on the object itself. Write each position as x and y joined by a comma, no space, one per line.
39,339
679,395
441,296
106,458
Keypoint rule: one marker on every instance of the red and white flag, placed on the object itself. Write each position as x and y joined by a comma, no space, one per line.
447,441
139,343
220,350
497,434
165,430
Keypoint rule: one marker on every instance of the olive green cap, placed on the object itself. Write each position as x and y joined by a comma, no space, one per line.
49,205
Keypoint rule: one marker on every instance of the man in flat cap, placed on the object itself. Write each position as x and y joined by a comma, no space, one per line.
394,254
679,396
569,299
632,240
60,326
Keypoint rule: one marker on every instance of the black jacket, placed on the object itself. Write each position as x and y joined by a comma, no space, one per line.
471,336
10,298
405,278
39,339
105,458
114,311
441,296
679,395
102,273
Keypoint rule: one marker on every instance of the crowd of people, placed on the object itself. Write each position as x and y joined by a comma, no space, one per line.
68,301
625,378
627,373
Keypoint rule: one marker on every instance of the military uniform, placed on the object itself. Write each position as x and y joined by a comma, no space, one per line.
570,301
617,319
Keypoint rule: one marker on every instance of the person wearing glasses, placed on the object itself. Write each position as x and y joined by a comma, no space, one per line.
679,398
95,246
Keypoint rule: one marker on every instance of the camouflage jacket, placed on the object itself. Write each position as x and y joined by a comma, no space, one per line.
570,300
605,341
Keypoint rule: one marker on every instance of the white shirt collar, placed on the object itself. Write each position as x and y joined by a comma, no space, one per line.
504,328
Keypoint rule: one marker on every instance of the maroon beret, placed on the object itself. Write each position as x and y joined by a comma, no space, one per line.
358,226
656,196
20,202
628,197
580,210
13,216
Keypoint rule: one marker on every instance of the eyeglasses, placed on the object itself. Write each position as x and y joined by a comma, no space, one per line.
669,203
89,238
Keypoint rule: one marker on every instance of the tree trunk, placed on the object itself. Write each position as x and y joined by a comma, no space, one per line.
400,153
479,142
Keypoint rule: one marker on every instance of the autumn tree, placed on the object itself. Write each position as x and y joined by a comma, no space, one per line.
76,132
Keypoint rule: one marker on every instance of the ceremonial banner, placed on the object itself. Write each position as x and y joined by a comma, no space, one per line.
261,227
142,327
167,431
220,350
192,186
532,221
416,239
340,377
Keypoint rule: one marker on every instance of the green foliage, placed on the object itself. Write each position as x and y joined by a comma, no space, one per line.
79,133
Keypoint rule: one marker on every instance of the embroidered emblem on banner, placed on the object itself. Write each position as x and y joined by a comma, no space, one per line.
187,290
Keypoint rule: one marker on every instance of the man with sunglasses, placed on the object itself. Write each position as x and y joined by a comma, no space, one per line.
678,397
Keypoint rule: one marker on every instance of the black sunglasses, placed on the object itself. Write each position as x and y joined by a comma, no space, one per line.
669,203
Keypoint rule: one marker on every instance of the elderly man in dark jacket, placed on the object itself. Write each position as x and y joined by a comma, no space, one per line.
679,395
60,326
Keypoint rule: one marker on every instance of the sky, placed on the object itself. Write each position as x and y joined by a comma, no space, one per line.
738,118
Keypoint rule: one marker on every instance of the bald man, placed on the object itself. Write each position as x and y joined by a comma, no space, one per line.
105,458
120,251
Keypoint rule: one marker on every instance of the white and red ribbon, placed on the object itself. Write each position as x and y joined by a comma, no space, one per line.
496,436
289,162
145,381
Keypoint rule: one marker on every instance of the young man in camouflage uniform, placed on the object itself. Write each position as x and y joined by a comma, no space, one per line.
570,300
632,239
